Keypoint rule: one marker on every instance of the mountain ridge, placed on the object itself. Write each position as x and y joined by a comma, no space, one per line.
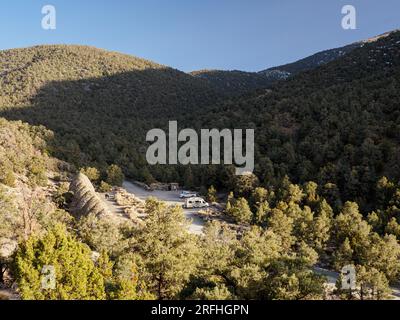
238,82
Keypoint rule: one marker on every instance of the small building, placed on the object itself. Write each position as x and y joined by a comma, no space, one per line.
164,186
174,186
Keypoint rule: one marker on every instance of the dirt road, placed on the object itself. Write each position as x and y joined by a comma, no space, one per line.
170,197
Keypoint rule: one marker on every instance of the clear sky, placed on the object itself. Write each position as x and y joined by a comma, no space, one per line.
199,34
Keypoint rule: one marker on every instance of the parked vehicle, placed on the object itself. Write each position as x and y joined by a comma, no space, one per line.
187,194
195,202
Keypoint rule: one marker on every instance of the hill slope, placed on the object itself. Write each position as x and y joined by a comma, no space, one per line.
236,83
99,104
27,73
323,57
315,60
338,124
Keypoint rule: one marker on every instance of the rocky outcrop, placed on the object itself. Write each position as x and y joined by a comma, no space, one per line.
85,200
7,247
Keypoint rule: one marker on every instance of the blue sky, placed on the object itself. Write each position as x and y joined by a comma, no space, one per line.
199,34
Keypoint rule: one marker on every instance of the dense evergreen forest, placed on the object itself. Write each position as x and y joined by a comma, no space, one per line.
336,124
325,191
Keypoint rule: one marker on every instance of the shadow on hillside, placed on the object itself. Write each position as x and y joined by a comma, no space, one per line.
105,120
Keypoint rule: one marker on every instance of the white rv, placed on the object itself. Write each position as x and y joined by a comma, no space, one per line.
195,202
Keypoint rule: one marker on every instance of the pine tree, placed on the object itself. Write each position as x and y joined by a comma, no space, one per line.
321,230
115,177
383,254
260,205
126,283
281,225
76,276
105,187
261,214
312,197
101,234
393,227
217,249
229,203
245,184
372,284
92,173
240,211
212,194
343,255
218,292
258,196
350,224
169,252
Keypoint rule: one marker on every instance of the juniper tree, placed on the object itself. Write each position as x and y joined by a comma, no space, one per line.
92,173
282,226
240,211
212,194
76,275
115,176
170,254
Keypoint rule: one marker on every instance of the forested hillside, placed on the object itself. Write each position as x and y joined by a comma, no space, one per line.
325,191
24,153
236,83
99,104
28,178
316,60
321,58
337,124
